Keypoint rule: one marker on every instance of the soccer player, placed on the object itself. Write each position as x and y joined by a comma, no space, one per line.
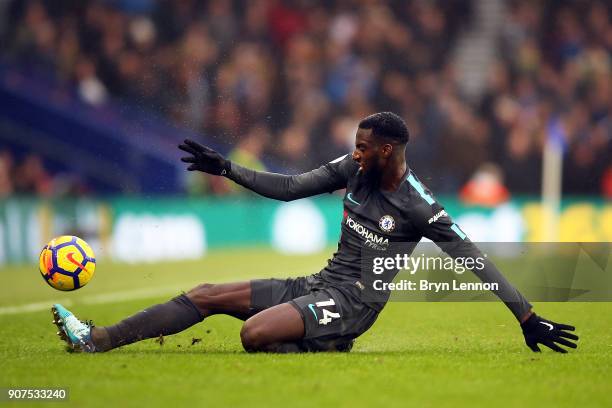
384,202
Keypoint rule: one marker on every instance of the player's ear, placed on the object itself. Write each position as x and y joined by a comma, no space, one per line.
387,149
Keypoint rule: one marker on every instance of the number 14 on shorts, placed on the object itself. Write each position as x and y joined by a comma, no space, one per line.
327,315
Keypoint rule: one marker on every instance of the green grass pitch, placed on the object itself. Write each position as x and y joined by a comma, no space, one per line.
417,354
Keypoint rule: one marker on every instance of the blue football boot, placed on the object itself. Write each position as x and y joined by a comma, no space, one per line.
75,333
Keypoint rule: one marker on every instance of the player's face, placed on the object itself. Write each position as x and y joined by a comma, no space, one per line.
368,152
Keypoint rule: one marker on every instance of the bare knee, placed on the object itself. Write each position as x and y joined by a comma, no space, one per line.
269,328
253,337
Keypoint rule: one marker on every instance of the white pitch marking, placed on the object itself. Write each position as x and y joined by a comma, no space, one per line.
32,307
103,298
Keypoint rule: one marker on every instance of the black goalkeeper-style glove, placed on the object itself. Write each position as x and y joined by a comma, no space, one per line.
539,330
204,159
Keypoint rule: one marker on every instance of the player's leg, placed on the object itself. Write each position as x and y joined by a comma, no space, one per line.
240,300
164,319
177,315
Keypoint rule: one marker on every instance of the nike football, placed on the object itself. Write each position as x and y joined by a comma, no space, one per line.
67,263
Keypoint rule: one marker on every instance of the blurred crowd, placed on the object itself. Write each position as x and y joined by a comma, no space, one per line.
28,175
25,177
553,81
290,80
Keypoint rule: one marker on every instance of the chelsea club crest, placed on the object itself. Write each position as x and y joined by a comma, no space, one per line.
386,223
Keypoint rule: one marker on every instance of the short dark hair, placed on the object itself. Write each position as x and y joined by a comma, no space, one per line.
387,125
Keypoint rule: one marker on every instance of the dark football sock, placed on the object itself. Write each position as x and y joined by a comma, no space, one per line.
164,319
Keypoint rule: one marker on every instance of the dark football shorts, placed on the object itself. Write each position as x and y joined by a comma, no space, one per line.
333,316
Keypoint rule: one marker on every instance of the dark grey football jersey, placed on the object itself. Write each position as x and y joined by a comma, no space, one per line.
374,219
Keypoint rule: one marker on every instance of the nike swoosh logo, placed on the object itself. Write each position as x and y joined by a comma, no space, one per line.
70,258
349,197
311,307
550,326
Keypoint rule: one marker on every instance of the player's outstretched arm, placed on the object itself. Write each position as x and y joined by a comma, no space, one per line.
449,237
330,177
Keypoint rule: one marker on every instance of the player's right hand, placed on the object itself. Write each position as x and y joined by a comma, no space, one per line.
539,330
204,159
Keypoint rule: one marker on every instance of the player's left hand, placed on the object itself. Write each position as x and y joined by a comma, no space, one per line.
204,159
539,330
